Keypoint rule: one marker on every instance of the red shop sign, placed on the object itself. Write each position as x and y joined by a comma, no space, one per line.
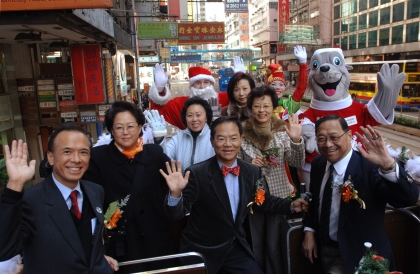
87,74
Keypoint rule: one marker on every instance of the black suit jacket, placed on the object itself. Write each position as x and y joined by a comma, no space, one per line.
211,229
40,224
357,225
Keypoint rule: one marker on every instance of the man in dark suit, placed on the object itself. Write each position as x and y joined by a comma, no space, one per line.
337,221
216,194
58,222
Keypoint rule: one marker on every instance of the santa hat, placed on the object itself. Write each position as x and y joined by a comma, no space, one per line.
275,73
199,73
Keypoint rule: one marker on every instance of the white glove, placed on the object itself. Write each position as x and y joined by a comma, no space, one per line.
156,122
238,65
161,79
308,134
215,107
300,54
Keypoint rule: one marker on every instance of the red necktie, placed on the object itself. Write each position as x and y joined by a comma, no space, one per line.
74,206
233,170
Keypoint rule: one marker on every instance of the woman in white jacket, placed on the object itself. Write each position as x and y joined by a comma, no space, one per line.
192,145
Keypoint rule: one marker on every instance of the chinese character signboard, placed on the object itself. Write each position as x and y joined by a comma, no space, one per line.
284,20
87,74
157,30
54,5
201,33
146,76
186,59
236,6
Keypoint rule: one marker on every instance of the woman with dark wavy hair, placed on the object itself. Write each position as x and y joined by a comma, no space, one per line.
238,89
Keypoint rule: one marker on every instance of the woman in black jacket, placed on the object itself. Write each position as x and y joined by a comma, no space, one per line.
134,190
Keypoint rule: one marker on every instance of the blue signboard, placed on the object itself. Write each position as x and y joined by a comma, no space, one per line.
186,59
87,119
236,6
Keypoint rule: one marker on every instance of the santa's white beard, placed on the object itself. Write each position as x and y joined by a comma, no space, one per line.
204,93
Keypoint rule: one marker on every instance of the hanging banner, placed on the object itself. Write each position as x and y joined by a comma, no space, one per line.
109,82
157,30
284,19
201,33
236,6
22,5
87,74
186,59
146,76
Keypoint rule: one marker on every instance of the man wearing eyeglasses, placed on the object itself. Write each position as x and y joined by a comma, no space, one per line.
350,191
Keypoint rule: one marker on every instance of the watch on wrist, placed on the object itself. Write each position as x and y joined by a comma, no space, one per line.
391,167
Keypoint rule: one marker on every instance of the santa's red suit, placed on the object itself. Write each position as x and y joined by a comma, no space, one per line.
171,108
355,114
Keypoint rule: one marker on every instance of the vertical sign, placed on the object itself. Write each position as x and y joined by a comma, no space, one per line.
284,19
87,74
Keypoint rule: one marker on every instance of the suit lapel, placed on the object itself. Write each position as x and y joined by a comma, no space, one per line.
245,184
353,171
60,215
217,184
96,204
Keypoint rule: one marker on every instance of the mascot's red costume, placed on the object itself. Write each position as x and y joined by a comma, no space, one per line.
329,81
171,108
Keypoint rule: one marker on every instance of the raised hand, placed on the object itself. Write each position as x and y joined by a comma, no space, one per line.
174,179
238,65
161,79
157,123
300,54
18,170
294,130
215,107
375,150
389,85
308,134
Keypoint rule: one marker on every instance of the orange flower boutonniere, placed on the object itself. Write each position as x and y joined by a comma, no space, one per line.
348,192
259,197
114,212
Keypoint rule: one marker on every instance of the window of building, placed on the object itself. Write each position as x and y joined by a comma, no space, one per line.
344,43
385,1
336,42
337,12
412,32
361,40
413,9
352,44
353,6
363,21
336,1
373,38
373,19
385,15
345,26
362,5
397,34
353,23
373,3
345,8
337,28
384,37
398,12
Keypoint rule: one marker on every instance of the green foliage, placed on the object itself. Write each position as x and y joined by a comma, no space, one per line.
403,156
406,122
371,266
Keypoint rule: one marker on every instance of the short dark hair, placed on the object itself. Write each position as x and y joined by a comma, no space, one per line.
260,92
196,101
343,123
122,106
66,127
222,120
234,81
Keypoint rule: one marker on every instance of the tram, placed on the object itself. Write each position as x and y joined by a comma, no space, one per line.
363,81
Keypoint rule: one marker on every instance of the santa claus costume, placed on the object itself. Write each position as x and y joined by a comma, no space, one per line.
171,108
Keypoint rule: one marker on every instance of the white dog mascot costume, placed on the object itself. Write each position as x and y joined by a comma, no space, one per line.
329,81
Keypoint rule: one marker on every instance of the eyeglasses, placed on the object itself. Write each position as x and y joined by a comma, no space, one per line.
129,128
334,139
264,107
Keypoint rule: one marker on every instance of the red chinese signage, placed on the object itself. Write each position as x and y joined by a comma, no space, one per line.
284,19
87,74
201,33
